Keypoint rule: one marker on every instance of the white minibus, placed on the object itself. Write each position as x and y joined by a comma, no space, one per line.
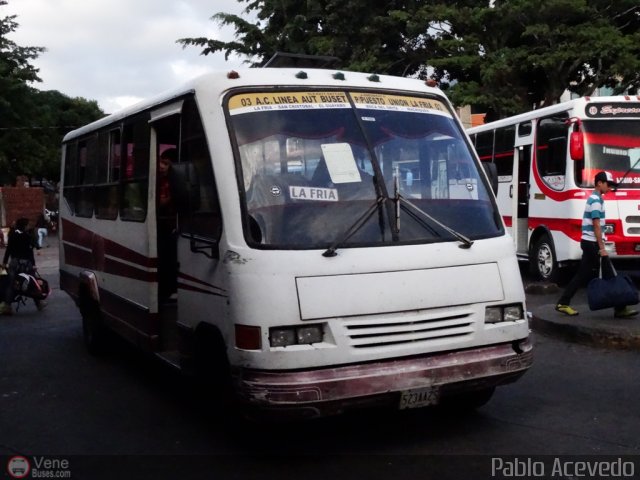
319,241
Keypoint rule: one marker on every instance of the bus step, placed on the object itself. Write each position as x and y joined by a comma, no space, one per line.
171,357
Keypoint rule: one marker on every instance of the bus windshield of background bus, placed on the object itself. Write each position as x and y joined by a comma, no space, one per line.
612,145
306,169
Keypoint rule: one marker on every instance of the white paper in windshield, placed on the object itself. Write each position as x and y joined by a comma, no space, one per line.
341,163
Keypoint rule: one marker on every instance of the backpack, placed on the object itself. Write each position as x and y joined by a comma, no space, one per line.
32,286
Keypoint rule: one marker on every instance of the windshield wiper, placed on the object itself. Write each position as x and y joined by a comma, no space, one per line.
466,242
357,225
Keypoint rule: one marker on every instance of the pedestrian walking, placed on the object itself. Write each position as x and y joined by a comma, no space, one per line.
41,230
593,246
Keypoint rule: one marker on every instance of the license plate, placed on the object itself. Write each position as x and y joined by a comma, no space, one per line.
419,397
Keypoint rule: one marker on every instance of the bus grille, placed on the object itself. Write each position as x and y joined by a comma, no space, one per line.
406,329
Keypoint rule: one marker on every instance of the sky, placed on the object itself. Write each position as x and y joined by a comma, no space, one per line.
119,51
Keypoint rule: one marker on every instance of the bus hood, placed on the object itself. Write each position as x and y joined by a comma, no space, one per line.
374,293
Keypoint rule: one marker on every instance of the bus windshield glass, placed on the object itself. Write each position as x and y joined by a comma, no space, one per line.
612,145
311,164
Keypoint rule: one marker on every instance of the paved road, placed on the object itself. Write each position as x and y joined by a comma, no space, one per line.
55,399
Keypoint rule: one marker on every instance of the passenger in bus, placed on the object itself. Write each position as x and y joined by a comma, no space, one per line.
18,258
167,233
593,247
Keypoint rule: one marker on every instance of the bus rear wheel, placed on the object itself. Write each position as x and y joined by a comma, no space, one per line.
543,260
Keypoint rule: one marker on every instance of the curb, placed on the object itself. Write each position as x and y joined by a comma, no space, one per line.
608,337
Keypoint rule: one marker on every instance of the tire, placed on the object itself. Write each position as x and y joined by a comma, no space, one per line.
94,333
469,400
543,260
213,371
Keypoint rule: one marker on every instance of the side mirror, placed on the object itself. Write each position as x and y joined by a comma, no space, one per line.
492,173
576,146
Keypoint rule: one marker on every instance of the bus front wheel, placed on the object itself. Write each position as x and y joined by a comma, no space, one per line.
470,400
543,260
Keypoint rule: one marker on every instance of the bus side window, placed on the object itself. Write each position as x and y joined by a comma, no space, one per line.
551,150
106,207
70,174
135,177
503,154
87,168
484,146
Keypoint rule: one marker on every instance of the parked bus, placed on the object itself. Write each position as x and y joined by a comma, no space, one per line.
315,274
547,160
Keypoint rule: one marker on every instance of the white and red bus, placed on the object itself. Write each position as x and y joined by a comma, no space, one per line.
546,161
337,239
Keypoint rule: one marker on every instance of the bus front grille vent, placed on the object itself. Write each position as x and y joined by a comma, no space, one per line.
388,332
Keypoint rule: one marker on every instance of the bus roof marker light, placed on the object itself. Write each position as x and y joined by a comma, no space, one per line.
301,75
338,76
430,82
232,75
373,78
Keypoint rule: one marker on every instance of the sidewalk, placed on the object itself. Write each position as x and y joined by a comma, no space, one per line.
47,258
598,328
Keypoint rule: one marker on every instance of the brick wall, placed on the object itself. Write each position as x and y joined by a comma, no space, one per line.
16,202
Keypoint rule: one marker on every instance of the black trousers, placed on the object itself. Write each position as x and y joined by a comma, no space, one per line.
589,268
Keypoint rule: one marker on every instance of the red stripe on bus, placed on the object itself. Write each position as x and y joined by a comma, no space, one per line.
101,246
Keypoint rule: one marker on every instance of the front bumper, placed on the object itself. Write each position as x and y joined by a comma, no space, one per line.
329,391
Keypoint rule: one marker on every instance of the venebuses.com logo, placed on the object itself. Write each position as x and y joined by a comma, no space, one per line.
19,466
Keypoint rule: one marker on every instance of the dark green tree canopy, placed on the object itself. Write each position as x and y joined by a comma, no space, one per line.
32,122
504,56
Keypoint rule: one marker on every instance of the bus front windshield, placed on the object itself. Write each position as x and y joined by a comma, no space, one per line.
612,145
315,165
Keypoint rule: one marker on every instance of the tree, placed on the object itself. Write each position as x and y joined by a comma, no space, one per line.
521,54
360,33
32,122
504,56
15,95
56,115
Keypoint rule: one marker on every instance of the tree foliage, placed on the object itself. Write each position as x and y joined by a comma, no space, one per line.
523,54
504,56
361,33
32,122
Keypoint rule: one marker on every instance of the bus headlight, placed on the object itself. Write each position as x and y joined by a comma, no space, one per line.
281,337
609,228
305,335
503,313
